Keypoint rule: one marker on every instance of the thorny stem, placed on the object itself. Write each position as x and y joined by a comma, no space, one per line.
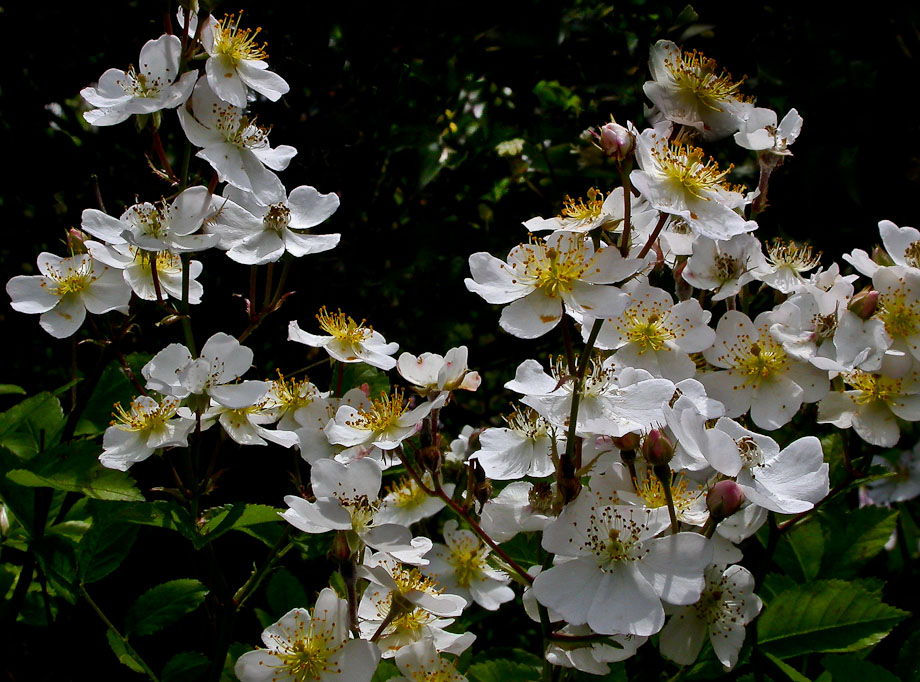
121,637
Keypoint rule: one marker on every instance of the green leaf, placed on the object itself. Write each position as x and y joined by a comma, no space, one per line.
32,426
114,387
849,668
284,592
790,673
386,670
908,660
855,537
186,666
163,605
799,552
356,374
74,467
826,615
104,547
775,584
8,389
502,671
121,652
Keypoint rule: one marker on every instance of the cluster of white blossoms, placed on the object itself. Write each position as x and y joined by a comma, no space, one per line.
634,459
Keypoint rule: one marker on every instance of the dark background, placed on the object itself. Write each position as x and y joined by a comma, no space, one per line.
374,89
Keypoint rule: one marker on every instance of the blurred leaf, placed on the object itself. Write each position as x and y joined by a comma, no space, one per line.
163,605
114,387
849,668
8,389
354,375
908,660
855,537
502,671
284,592
186,666
75,467
104,547
790,673
799,552
826,615
775,584
385,671
552,95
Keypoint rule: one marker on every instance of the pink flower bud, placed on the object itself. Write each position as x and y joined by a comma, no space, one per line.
657,449
617,142
724,499
864,304
628,442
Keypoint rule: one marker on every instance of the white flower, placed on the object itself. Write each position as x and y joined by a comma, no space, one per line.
759,131
348,341
522,449
431,373
137,267
254,232
420,662
519,507
237,61
406,503
690,89
582,215
904,482
656,335
786,261
727,604
65,290
461,566
156,227
153,87
174,372
724,266
310,645
594,656
544,279
385,424
758,373
245,425
679,180
134,435
234,145
612,573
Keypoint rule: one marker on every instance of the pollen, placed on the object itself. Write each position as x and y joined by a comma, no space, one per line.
310,654
613,538
873,388
652,491
583,210
900,315
277,218
237,43
406,493
647,327
527,423
727,268
145,414
795,257
342,327
74,275
137,84
702,76
384,413
468,559
290,394
761,360
689,167
552,270
912,254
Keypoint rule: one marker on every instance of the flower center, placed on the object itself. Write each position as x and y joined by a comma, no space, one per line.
290,394
764,359
702,76
688,167
648,331
552,270
74,275
145,414
342,327
727,268
383,414
613,538
527,424
307,658
583,211
750,452
137,85
237,43
789,255
912,255
652,491
277,218
901,316
406,493
362,512
468,559
872,387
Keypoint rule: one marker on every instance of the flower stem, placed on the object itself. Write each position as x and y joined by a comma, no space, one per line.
652,237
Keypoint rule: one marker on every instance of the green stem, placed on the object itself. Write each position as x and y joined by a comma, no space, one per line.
124,640
281,547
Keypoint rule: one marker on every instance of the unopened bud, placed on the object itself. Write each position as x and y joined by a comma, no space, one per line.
657,448
880,256
864,304
617,142
480,486
76,240
339,551
430,458
628,442
724,499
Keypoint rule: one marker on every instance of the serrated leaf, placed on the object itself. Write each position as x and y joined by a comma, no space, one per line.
855,537
826,615
32,425
186,666
163,605
284,592
849,668
104,547
74,467
121,652
799,552
502,671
